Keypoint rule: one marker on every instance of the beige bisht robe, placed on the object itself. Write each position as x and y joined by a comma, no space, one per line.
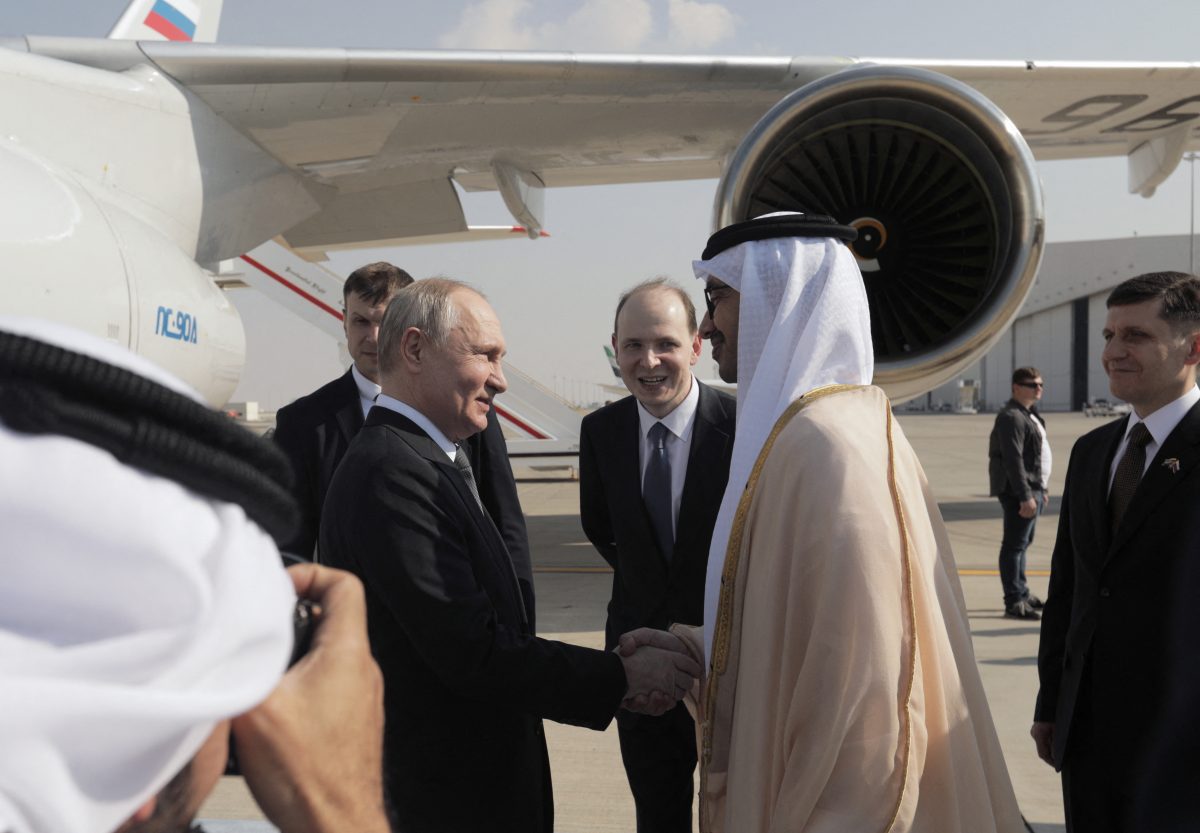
844,696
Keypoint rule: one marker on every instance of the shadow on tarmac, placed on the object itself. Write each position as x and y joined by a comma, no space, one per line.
1012,662
1033,631
985,510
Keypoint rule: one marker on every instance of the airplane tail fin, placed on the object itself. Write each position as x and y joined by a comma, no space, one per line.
178,20
612,361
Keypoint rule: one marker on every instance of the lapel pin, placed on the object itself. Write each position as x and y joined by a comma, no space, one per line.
1171,464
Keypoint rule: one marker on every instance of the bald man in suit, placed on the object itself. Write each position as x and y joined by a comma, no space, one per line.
655,530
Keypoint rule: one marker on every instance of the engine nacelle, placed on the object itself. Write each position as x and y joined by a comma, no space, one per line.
71,254
943,192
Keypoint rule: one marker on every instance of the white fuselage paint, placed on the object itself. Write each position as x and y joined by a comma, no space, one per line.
101,212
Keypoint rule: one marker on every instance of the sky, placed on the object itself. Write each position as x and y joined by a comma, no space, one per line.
555,296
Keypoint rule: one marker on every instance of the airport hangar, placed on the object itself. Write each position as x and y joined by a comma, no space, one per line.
1058,330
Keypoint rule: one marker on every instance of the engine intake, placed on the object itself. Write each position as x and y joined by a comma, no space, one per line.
944,194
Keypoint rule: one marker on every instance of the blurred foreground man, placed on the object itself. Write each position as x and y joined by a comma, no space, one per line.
143,608
652,469
467,681
1109,661
842,692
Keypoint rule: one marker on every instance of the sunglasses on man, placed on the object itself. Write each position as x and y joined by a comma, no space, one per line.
713,295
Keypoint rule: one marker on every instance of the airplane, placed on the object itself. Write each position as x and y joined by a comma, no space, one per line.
197,153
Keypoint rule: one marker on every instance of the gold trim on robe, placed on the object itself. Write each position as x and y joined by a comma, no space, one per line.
902,739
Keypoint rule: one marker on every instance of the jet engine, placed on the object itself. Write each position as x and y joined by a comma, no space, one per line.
943,192
73,253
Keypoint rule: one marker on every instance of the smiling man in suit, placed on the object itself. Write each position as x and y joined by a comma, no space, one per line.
652,469
315,430
1106,663
466,680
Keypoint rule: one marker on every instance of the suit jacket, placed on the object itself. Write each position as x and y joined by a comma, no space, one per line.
315,431
1015,452
1168,801
650,589
466,683
1107,621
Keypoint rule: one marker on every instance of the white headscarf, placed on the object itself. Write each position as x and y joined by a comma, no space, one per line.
803,323
134,616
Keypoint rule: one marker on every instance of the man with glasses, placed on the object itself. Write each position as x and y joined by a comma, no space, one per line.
841,690
1019,471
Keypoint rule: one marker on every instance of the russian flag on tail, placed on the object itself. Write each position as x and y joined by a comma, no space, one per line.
174,20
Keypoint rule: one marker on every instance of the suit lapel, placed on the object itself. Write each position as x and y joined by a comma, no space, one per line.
424,445
350,416
1183,447
708,445
1097,486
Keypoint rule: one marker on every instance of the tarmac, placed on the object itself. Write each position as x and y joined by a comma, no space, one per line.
573,586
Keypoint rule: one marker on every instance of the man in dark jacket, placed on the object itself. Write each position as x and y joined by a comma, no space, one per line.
1117,657
1019,471
315,430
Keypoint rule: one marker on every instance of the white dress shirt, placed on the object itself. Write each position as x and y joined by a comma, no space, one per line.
367,390
679,424
1160,424
404,409
1046,455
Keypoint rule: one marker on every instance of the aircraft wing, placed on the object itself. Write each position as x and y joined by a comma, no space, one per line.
388,133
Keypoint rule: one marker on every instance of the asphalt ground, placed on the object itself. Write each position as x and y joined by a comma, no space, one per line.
573,586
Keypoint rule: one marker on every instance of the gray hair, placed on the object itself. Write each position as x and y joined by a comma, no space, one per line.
426,305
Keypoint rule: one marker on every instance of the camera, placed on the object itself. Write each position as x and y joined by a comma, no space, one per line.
304,620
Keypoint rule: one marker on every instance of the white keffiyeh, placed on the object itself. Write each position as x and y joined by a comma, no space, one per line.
803,323
134,616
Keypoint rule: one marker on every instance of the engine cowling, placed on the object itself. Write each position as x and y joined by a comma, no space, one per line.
944,194
74,255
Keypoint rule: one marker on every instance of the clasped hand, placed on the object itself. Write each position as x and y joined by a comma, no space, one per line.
659,670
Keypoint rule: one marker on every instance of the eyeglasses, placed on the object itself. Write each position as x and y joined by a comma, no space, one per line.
1032,384
712,298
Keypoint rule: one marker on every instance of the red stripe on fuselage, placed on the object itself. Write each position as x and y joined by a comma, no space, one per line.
165,27
520,423
500,412
293,287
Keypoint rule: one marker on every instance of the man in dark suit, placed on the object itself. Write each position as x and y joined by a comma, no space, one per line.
657,543
466,681
1106,662
315,430
1019,472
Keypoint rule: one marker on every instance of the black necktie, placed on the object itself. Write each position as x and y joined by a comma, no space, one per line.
656,490
464,466
1128,474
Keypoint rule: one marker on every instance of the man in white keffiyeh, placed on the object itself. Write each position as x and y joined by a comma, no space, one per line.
842,692
142,609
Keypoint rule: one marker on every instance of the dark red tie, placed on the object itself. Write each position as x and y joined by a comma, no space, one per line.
1128,474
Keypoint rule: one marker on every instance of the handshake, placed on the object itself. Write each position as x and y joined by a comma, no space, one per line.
660,668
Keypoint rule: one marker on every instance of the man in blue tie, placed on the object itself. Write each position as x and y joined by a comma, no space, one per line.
652,469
